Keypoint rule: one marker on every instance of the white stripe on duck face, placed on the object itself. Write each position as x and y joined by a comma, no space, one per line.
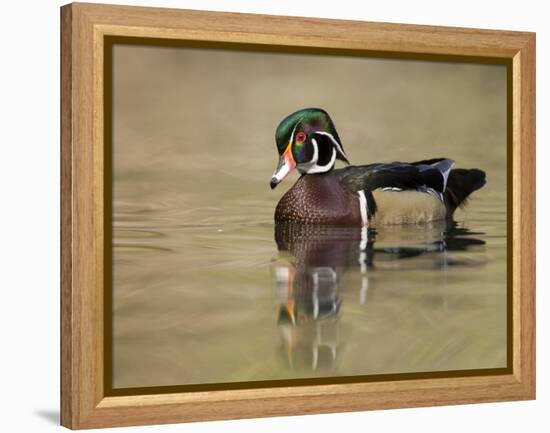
312,167
293,132
334,141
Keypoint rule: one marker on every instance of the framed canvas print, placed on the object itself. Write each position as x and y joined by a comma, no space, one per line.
267,215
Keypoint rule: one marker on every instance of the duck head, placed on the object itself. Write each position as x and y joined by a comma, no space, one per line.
307,140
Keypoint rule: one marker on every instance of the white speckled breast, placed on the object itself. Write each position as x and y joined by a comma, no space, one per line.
319,199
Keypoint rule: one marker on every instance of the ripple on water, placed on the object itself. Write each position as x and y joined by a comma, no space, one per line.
251,302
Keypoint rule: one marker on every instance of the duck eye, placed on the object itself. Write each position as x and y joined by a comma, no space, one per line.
300,137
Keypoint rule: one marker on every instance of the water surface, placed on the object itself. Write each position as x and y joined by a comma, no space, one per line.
206,295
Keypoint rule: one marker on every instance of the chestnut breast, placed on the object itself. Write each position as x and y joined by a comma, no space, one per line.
319,199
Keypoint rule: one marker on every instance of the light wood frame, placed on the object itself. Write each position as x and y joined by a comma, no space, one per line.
84,27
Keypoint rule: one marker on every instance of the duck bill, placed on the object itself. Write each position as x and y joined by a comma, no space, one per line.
285,166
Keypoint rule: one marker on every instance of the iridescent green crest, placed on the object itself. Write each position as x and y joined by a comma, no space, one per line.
307,120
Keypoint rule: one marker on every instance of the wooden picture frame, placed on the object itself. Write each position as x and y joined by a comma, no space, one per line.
84,30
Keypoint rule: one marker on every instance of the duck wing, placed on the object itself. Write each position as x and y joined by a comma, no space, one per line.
421,175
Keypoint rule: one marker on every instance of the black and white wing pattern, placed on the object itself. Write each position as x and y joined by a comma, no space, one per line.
427,176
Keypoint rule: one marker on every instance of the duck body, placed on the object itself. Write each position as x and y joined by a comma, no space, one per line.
361,195
319,199
395,193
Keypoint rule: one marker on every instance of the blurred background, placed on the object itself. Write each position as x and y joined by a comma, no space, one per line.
198,275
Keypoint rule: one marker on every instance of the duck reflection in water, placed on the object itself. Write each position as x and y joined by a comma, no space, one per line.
312,264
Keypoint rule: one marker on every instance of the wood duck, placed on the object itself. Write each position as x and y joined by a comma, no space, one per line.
362,195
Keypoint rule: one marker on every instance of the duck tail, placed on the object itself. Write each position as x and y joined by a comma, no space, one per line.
461,183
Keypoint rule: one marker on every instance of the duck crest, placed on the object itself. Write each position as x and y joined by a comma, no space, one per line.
319,199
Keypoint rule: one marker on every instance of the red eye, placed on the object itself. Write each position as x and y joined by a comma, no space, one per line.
300,137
